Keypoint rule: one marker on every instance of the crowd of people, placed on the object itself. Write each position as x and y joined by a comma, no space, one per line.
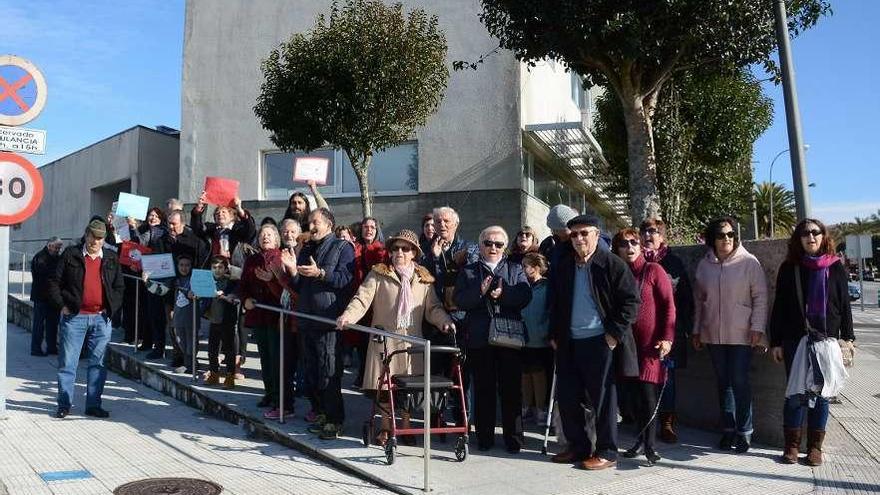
608,317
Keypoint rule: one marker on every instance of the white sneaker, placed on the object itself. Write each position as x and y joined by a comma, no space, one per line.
180,369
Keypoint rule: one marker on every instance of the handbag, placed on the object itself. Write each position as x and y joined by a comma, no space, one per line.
505,331
847,349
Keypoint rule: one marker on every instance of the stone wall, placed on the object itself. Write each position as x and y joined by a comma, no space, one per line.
697,399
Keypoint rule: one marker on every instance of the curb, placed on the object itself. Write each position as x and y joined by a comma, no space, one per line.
125,365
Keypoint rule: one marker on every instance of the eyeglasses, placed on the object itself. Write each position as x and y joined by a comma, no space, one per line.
722,235
401,247
650,231
497,244
813,232
582,233
628,242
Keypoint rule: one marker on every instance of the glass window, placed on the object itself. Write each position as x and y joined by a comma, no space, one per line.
395,170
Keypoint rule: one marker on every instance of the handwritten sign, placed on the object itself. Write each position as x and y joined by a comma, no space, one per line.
311,168
130,254
202,283
132,205
158,265
221,191
120,226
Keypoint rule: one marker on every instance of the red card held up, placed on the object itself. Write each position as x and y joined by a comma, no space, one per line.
221,191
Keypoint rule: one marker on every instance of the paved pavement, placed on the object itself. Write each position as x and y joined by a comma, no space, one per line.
151,435
148,435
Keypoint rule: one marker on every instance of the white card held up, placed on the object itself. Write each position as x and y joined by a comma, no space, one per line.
308,168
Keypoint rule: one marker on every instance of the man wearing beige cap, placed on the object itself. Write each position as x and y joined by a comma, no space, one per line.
87,288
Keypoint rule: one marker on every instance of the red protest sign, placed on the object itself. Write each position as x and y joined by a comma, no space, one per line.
221,191
130,254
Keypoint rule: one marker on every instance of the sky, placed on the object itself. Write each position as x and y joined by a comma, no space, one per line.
111,65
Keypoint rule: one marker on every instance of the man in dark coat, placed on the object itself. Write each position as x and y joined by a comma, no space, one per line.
45,321
596,303
325,269
87,288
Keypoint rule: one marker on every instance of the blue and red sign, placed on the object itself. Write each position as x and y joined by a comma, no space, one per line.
22,91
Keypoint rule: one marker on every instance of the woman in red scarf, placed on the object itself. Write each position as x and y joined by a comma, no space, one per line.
653,331
824,306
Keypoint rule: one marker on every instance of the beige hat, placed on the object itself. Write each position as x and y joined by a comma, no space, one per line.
97,228
407,236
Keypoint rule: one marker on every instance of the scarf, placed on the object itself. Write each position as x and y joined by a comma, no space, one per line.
656,255
817,287
405,303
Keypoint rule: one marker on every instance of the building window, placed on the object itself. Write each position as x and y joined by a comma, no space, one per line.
393,171
578,95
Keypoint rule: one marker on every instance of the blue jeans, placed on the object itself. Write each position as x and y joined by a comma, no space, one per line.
95,331
793,410
45,323
732,363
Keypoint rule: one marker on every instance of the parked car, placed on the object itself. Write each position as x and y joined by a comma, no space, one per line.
854,292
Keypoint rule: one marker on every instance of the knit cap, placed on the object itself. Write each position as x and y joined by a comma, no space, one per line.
559,216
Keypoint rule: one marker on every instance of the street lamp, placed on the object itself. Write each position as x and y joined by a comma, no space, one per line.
806,147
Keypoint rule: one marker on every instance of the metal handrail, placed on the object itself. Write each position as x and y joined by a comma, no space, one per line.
24,256
426,344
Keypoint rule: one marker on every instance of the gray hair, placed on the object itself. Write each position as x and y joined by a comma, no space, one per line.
441,210
274,229
494,229
296,226
54,240
174,204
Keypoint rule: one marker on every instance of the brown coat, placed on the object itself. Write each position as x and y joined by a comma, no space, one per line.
379,291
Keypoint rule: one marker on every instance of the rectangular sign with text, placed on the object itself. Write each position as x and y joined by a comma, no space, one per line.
21,140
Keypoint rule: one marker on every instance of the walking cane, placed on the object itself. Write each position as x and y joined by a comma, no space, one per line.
549,411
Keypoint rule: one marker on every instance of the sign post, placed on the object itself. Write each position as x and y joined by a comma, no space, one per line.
22,97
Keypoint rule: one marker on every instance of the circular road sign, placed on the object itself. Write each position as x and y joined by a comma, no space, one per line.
21,189
22,91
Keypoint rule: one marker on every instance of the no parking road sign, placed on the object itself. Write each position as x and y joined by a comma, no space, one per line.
22,91
21,189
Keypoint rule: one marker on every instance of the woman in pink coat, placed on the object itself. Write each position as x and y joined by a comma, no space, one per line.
730,315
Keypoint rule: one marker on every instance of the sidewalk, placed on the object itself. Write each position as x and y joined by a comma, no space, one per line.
852,447
146,436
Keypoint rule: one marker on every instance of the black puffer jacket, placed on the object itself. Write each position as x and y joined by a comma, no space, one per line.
327,297
66,283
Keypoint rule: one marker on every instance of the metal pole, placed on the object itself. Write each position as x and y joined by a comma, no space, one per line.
23,262
792,114
4,294
861,275
195,343
281,383
426,407
137,312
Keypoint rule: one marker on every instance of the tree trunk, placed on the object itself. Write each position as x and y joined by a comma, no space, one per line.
361,168
643,191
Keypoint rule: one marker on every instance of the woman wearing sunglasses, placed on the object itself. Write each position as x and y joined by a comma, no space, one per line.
401,296
730,314
493,284
824,305
653,332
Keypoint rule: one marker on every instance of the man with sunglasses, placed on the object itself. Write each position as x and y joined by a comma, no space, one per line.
596,302
653,234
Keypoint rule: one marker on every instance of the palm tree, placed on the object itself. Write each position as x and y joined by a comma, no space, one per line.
784,216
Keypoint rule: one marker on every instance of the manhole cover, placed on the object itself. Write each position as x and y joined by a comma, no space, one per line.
169,486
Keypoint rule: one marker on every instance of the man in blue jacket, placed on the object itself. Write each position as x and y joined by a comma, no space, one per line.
325,268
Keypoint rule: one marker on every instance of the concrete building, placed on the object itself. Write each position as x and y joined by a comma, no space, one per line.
506,143
138,160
